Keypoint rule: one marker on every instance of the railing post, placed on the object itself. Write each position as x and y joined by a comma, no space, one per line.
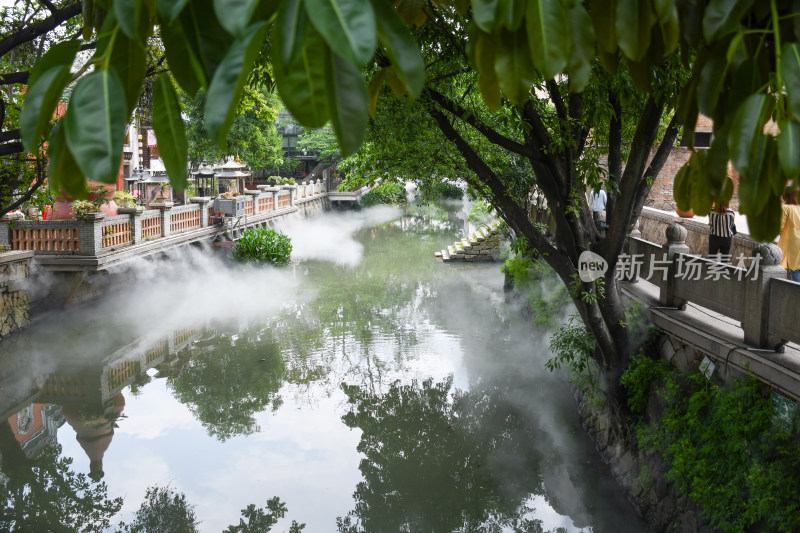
165,209
756,301
252,196
203,202
675,245
5,227
92,234
136,222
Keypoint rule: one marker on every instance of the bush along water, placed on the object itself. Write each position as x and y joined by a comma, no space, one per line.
719,445
263,245
388,192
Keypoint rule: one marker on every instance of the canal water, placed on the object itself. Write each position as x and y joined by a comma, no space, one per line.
366,386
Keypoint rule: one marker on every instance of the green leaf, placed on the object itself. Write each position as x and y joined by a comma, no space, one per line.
184,63
289,29
401,47
46,84
513,65
133,18
747,130
228,82
790,72
301,83
514,14
716,165
129,60
635,20
582,51
722,17
235,15
789,148
489,85
205,36
712,81
87,10
170,9
486,14
681,188
766,225
755,184
604,20
699,192
170,131
348,26
670,25
95,125
548,36
63,172
641,74
374,89
347,100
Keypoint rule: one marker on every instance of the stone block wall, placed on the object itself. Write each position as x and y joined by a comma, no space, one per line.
15,303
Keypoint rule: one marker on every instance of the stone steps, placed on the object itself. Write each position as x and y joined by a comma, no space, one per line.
481,245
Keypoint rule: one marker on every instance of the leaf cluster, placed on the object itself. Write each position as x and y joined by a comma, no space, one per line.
263,245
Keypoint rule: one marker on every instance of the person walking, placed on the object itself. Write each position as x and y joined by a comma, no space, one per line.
598,203
722,229
789,241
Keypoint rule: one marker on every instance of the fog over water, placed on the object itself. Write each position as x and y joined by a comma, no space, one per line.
365,382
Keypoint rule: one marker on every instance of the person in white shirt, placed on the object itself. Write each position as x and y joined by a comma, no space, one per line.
598,204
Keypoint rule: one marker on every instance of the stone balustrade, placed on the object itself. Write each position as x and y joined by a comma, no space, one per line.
135,226
752,290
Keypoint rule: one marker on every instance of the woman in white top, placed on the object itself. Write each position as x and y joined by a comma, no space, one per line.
720,221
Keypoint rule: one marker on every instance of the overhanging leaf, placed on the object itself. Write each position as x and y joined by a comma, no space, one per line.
46,83
634,21
582,50
401,47
746,130
766,225
301,83
95,125
170,9
347,100
348,26
489,85
374,89
722,17
289,29
755,185
486,14
228,82
184,63
513,65
681,188
63,172
129,60
789,148
790,72
547,23
170,131
235,15
604,21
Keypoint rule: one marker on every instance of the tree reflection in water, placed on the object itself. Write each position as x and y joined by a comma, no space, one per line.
230,380
441,462
43,493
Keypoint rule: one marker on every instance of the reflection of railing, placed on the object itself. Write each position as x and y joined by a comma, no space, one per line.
133,228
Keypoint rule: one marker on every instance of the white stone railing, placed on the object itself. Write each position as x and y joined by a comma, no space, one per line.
753,290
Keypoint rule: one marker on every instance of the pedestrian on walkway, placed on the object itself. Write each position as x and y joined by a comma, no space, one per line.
722,229
598,204
789,242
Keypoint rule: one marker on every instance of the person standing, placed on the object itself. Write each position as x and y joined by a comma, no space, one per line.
721,224
789,242
598,203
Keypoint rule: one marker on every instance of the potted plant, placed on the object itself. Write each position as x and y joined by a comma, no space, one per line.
87,211
124,199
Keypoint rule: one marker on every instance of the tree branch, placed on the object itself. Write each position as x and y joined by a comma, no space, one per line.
468,117
11,148
40,28
558,101
614,150
14,77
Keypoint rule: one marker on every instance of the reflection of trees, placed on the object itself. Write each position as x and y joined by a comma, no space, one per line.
228,382
166,510
431,461
44,494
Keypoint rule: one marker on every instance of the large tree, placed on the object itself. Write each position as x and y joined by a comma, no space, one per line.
562,78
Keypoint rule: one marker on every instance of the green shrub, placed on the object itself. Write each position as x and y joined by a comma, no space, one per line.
263,245
388,192
449,191
720,446
480,212
537,281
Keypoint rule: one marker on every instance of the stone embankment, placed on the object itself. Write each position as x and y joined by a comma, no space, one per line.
14,302
482,245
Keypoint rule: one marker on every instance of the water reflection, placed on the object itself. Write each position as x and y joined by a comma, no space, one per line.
234,393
